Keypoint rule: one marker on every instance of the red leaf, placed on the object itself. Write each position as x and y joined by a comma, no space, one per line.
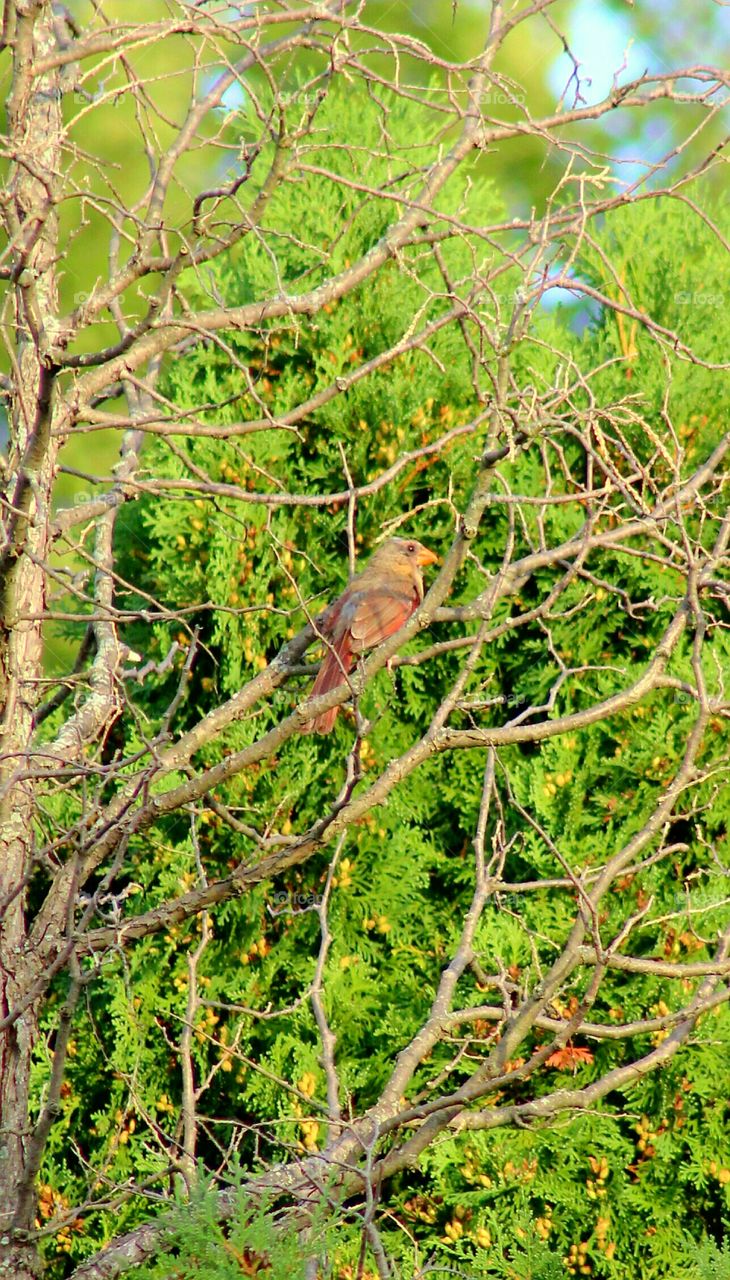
569,1058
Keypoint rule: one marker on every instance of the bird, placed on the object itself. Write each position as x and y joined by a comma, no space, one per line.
373,606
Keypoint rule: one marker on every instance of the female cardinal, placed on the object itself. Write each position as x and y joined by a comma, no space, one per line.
374,605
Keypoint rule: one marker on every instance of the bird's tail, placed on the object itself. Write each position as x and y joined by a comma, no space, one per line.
335,665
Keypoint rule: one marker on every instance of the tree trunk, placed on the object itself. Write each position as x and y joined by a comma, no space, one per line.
34,126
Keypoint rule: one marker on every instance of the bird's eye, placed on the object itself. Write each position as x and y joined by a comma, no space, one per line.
411,548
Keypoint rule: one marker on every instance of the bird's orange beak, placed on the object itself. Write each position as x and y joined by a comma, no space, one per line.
426,557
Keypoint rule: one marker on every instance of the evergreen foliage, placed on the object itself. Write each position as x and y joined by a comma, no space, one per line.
636,1186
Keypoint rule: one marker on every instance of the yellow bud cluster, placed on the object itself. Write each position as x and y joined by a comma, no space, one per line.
544,1224
310,1132
307,1084
555,780
344,874
256,950
596,1186
577,1260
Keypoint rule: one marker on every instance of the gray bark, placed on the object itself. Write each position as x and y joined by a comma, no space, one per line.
34,126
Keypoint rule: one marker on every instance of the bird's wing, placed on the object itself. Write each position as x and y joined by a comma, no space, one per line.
375,614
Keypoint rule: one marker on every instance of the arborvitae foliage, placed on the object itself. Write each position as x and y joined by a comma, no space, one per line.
625,1188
